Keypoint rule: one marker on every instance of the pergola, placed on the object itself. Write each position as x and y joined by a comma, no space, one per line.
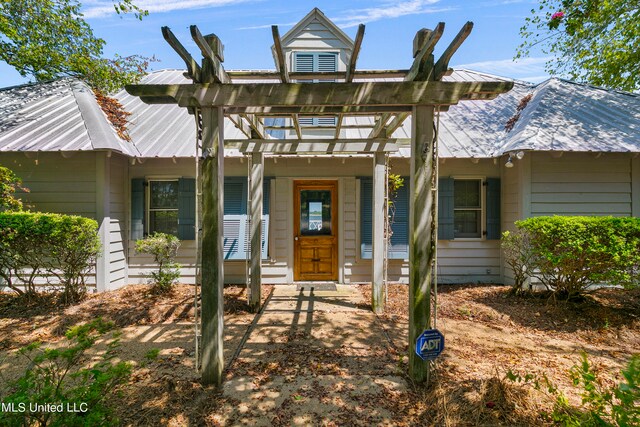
216,94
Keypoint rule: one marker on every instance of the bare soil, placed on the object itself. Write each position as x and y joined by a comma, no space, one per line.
326,359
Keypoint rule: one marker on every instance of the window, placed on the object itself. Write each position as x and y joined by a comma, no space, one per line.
399,245
467,215
163,207
468,208
309,62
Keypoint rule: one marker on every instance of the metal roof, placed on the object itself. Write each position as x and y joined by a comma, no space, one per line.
166,130
568,116
62,115
561,116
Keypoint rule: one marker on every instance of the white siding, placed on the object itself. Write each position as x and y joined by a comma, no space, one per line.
56,184
118,189
580,184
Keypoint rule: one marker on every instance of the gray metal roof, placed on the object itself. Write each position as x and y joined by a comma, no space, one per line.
166,130
561,116
61,115
568,116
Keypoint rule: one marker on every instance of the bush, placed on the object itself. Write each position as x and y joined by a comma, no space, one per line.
9,183
601,405
518,255
45,246
61,376
570,254
164,248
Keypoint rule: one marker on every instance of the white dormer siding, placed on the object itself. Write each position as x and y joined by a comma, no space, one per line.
315,33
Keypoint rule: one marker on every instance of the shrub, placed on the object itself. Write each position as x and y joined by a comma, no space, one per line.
62,376
9,183
37,245
518,255
601,406
570,254
164,248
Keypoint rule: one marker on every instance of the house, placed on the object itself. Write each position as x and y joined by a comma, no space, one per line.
554,148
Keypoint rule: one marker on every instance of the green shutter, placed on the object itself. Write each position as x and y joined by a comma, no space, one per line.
399,245
366,217
137,208
493,208
445,209
187,209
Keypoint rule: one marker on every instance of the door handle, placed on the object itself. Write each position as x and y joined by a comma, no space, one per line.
295,238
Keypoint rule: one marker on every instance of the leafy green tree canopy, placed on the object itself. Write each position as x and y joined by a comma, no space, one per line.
595,41
47,39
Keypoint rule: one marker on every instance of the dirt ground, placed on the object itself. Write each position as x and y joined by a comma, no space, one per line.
323,358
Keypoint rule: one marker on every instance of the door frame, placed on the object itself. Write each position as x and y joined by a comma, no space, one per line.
316,184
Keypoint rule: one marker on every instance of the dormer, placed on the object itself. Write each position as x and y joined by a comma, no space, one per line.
316,44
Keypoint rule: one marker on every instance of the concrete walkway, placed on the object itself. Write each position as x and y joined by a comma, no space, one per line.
313,355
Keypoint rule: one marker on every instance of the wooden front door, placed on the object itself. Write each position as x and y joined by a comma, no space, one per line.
315,227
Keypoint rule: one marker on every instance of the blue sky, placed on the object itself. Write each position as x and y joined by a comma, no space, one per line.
244,28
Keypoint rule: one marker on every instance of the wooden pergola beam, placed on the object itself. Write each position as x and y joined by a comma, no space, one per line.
442,65
314,147
281,64
419,69
317,75
241,124
193,69
217,74
351,110
257,128
318,94
351,69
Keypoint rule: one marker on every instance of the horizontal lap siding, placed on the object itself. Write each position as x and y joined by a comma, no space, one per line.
118,213
349,226
511,207
56,184
579,184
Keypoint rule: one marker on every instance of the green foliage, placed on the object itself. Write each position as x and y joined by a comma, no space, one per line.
590,40
570,254
9,183
37,245
394,182
64,375
518,255
164,248
47,39
601,405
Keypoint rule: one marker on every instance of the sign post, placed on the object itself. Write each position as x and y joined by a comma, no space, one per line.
429,344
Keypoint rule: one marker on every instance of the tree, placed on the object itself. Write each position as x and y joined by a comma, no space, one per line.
9,183
47,39
595,41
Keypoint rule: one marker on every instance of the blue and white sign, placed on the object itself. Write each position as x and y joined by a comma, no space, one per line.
429,344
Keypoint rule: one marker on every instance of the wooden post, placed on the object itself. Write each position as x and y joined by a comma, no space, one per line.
378,233
421,246
212,250
255,210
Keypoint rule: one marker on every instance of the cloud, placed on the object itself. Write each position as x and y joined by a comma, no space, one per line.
529,69
259,27
387,10
99,9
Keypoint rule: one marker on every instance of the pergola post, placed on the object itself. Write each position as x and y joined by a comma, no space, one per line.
212,249
378,233
421,245
255,211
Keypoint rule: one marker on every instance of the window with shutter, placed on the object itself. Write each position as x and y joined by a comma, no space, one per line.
309,62
399,244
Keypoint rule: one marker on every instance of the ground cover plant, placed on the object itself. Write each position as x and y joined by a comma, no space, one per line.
340,364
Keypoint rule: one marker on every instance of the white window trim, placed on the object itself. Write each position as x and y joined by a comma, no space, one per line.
147,198
483,207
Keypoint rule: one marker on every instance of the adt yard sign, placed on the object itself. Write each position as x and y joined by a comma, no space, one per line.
429,344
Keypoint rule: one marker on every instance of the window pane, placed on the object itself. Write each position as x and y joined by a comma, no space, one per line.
163,222
466,223
164,194
315,212
466,193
